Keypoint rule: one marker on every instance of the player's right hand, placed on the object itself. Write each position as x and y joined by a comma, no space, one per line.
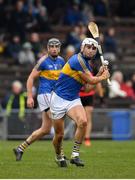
105,74
102,69
30,102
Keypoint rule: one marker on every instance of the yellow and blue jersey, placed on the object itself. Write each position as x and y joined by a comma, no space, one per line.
49,72
69,83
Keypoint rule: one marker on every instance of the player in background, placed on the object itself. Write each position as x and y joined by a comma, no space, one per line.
87,99
65,98
47,70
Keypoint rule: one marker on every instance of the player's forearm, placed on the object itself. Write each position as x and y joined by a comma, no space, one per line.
95,79
30,82
90,79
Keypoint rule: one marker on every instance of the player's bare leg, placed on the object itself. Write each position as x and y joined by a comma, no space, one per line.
44,130
88,110
57,142
37,134
79,116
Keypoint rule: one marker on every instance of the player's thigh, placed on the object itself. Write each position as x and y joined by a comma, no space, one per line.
77,114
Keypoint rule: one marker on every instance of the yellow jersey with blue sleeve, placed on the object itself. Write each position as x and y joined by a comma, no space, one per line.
69,83
49,68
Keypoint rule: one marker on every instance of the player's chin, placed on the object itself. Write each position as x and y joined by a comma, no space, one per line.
54,54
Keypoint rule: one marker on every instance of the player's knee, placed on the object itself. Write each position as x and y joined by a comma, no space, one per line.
82,123
44,131
60,135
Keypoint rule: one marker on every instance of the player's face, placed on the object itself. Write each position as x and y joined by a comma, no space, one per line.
54,50
89,50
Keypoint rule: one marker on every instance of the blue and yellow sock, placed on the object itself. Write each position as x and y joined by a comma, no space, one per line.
23,146
76,148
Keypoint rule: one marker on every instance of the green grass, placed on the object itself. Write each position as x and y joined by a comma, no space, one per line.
104,159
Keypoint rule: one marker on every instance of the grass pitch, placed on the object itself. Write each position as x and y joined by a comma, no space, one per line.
104,159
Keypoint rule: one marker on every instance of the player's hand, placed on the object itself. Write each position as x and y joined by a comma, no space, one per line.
30,102
105,74
101,70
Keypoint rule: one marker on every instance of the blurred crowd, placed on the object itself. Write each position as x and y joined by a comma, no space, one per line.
22,22
122,87
20,19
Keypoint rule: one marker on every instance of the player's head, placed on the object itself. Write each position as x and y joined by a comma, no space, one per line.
89,47
53,47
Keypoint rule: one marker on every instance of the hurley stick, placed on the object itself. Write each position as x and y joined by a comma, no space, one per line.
93,28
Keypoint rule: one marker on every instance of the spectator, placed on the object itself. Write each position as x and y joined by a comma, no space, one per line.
69,51
87,13
73,37
76,36
73,15
30,20
43,22
127,87
35,42
110,45
16,100
38,4
2,45
26,56
133,82
30,5
13,48
83,31
100,8
16,23
115,88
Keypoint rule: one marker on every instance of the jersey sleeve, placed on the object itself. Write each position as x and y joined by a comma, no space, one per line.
74,64
40,64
